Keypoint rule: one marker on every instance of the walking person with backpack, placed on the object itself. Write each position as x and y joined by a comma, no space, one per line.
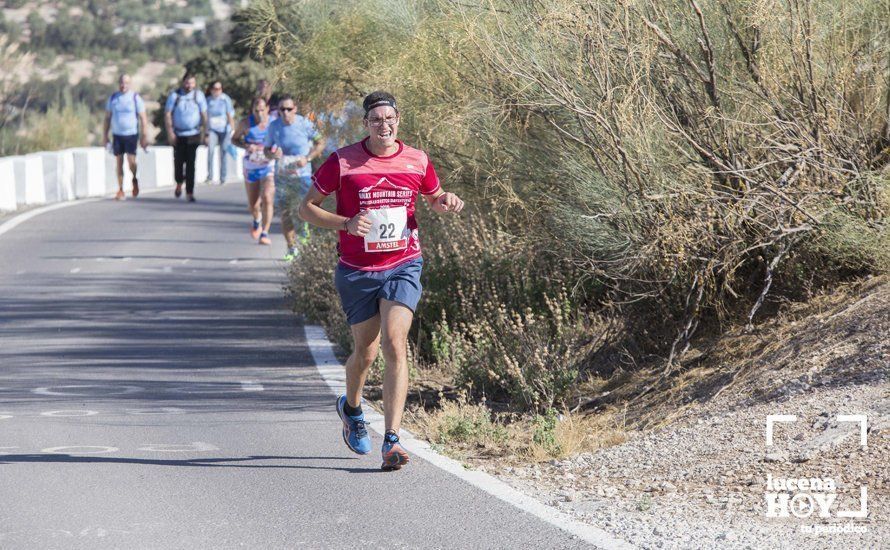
185,117
125,117
220,119
377,182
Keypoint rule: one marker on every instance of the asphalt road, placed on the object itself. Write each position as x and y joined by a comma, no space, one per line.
155,392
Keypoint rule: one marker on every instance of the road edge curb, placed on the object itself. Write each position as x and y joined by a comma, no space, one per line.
332,371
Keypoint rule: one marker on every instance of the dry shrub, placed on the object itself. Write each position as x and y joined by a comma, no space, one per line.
470,430
501,321
461,425
653,165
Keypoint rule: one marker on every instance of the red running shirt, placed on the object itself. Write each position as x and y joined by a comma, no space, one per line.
363,181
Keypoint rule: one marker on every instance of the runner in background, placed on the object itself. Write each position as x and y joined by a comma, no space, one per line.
295,142
264,90
341,124
376,182
125,116
185,116
258,169
220,113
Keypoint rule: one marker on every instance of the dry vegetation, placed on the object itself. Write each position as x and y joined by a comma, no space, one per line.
646,175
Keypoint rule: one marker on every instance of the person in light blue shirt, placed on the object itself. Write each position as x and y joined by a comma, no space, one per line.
295,141
220,117
125,116
185,116
341,125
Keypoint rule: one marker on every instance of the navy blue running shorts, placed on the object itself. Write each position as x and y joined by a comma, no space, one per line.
125,144
360,291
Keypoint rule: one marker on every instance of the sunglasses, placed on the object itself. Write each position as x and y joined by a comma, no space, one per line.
286,109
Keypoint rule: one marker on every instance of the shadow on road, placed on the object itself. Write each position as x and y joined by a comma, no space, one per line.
189,462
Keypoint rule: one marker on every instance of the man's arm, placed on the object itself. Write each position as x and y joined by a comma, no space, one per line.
105,128
168,123
312,212
143,137
203,128
442,202
317,150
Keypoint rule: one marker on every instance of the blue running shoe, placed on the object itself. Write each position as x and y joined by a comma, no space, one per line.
355,435
394,455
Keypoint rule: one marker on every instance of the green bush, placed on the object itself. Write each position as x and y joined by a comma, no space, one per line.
658,165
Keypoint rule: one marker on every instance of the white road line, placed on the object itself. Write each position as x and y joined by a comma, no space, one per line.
25,216
79,450
247,385
54,390
333,374
15,221
193,447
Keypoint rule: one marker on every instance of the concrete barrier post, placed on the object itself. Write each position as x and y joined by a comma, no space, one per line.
29,188
89,171
58,175
234,166
7,184
155,168
201,164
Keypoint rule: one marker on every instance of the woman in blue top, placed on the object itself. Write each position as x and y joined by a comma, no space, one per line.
258,179
220,113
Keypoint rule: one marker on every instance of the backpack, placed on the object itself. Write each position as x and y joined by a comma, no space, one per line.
180,95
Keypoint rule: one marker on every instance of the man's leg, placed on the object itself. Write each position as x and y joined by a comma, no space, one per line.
366,342
283,194
395,321
120,171
179,164
212,142
131,160
302,227
223,156
191,153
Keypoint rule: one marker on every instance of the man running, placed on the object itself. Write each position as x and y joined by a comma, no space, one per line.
376,182
258,169
125,116
295,142
185,116
220,113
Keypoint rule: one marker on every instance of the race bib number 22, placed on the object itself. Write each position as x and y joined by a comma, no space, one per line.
387,230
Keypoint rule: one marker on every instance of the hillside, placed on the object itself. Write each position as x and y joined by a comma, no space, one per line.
700,480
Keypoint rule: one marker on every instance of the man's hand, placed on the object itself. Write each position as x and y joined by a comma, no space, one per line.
301,161
171,138
144,143
358,225
448,202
